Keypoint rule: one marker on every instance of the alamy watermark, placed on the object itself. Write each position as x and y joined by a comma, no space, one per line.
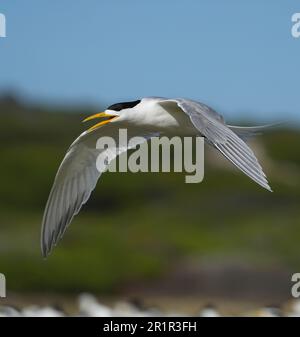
159,154
295,290
295,31
2,25
2,285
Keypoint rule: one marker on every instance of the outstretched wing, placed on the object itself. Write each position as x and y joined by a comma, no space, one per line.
76,178
211,125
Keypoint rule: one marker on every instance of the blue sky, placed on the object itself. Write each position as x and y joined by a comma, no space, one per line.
237,56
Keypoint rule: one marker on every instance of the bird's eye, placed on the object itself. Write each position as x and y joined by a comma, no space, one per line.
123,105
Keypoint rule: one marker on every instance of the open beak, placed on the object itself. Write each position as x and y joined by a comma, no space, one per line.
100,115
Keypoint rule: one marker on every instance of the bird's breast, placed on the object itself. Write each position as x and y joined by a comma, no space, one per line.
155,117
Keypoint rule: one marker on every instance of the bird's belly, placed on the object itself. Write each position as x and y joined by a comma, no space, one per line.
177,123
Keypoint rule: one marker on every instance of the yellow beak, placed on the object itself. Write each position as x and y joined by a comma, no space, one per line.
100,115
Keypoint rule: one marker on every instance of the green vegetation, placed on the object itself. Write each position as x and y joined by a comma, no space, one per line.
137,226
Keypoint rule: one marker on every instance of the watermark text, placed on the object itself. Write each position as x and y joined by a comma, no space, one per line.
295,31
2,285
2,25
159,154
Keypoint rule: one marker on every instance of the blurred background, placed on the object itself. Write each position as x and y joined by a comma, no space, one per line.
148,237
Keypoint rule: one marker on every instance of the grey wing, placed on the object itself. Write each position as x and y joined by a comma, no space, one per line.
212,126
76,178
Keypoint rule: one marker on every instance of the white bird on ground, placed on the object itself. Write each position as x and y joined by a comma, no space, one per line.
36,311
77,175
89,306
8,311
209,311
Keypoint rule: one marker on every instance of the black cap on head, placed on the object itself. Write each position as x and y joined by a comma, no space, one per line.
123,105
